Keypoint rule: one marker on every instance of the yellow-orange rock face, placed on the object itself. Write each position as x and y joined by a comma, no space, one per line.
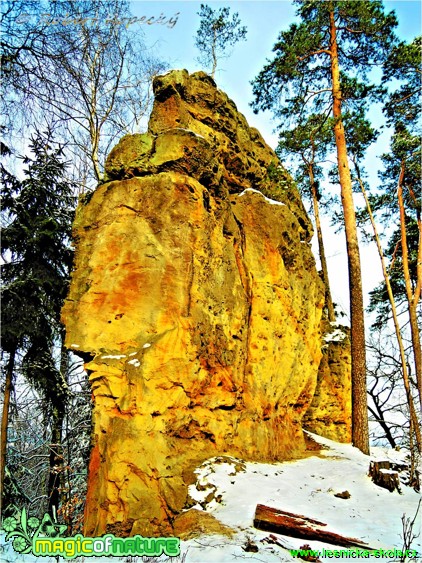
198,300
330,412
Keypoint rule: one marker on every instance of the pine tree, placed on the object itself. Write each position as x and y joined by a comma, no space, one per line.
38,213
317,65
400,200
360,136
310,142
217,32
404,109
404,64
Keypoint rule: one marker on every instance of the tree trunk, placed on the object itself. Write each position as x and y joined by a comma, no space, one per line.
360,430
410,402
412,297
94,137
58,401
5,421
328,298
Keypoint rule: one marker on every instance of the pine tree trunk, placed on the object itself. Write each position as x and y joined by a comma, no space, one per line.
360,430
410,402
412,297
328,298
5,421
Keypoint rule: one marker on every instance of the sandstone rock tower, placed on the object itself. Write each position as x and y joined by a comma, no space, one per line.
196,303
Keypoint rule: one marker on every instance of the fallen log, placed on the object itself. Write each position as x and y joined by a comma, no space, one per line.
298,526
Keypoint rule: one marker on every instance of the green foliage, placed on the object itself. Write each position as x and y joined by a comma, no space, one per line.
217,32
297,83
403,161
404,64
402,109
359,133
401,164
38,213
379,301
308,144
300,74
279,185
405,152
310,139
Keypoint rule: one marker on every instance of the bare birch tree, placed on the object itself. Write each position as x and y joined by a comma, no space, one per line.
87,73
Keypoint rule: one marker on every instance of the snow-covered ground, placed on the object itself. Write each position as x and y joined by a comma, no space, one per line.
307,487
